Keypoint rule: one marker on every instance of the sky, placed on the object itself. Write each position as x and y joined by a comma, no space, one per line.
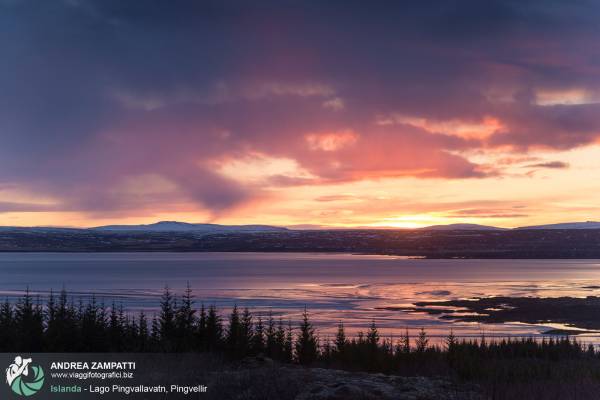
333,113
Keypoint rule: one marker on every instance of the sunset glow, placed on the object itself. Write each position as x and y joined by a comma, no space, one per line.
174,117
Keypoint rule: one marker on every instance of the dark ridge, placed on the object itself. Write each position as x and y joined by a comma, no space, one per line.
511,244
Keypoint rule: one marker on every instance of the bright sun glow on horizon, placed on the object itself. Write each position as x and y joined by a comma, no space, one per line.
409,221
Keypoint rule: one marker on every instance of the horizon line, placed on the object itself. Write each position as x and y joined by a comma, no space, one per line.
301,227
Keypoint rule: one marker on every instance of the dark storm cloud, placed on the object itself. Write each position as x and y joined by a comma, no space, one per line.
93,92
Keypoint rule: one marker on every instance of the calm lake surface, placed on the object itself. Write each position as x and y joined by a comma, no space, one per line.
334,287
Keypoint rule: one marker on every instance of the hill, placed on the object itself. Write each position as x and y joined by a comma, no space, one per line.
174,226
462,227
566,225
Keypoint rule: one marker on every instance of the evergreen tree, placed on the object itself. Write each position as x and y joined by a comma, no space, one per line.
143,335
327,349
246,334
340,338
233,339
360,338
123,318
166,320
387,346
93,328
38,324
185,321
451,341
115,329
281,348
132,332
306,343
404,343
7,328
155,333
50,308
201,331
258,337
288,344
590,350
214,329
422,341
373,336
271,337
29,324
102,325
72,339
60,320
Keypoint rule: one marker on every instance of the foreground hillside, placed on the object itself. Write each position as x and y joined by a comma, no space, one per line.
260,378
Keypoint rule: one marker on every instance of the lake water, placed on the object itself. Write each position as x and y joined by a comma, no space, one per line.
334,287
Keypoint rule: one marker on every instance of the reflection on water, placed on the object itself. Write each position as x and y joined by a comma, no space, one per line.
341,287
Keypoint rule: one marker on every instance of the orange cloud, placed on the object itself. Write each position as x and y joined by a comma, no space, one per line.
454,127
331,141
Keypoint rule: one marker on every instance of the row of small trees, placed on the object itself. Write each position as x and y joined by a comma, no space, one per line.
65,325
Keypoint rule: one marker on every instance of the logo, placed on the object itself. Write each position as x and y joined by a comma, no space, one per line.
24,378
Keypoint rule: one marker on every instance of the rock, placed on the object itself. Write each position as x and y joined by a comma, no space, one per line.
260,378
327,384
260,361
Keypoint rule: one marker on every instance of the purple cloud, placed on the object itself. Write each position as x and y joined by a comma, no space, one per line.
98,94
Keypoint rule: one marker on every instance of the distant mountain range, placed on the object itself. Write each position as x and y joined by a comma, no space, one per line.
476,227
566,225
174,226
462,227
